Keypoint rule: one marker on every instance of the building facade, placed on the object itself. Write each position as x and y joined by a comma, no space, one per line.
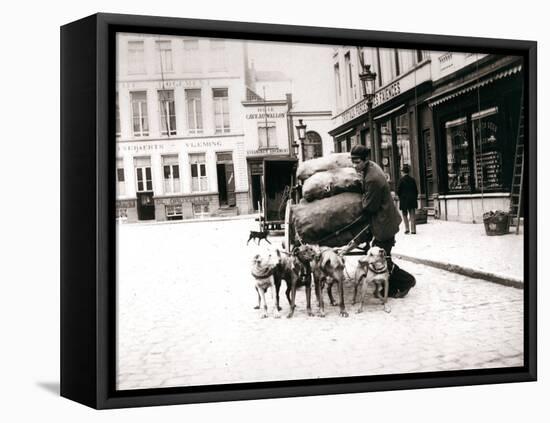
453,117
180,141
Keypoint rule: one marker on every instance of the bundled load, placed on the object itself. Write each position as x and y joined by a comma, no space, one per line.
326,221
321,164
330,212
331,182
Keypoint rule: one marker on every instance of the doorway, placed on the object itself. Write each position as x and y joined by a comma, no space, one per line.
226,179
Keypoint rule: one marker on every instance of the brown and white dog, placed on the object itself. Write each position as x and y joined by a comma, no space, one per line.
295,269
372,273
328,268
271,268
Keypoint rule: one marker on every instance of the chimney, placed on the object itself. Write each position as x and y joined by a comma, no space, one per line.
289,101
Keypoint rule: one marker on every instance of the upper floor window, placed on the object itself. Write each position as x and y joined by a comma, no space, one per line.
267,135
194,111
167,112
221,110
312,146
164,54
191,56
136,57
217,55
338,83
139,114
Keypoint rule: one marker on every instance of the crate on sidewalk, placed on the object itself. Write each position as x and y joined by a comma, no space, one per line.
421,216
496,222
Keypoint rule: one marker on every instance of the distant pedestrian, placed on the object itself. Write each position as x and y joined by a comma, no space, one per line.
407,192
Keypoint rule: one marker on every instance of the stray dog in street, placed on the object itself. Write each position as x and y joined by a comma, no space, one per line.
372,271
328,268
295,269
259,235
263,268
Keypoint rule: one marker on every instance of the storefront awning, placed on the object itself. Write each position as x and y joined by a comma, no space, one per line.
392,111
470,86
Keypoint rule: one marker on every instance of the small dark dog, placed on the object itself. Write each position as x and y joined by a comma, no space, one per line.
259,236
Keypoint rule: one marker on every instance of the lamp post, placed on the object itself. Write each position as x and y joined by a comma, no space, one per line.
367,83
301,129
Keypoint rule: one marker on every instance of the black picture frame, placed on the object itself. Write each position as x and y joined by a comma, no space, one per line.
88,261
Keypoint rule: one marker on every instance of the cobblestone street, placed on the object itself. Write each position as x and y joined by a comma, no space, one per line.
186,316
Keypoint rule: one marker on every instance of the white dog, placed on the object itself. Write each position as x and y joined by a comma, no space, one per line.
372,272
263,267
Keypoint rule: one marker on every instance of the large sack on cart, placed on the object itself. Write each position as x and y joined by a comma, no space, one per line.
331,182
320,164
322,221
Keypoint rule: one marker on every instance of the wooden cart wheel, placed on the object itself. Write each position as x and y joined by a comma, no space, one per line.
288,227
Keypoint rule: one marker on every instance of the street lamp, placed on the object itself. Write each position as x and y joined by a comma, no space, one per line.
368,79
301,129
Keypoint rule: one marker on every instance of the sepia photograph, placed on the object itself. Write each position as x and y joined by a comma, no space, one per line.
297,211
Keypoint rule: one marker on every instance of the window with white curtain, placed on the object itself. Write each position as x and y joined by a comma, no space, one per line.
144,177
167,112
164,56
139,113
171,172
199,179
136,57
194,111
267,135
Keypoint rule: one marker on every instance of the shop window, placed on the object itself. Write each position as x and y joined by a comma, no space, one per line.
487,152
144,177
120,179
139,114
164,54
201,210
267,135
171,172
386,148
194,111
174,212
167,112
458,145
199,179
191,56
136,62
221,110
403,139
313,146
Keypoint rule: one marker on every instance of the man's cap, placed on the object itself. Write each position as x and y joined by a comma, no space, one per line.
359,151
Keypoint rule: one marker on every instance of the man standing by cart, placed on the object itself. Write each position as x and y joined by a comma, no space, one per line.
383,216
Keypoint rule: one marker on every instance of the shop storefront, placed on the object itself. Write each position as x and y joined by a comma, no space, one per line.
180,179
476,126
397,107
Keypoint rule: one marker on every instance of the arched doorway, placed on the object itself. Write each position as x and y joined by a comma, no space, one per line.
312,146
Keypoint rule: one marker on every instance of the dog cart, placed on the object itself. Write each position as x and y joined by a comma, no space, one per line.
279,176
